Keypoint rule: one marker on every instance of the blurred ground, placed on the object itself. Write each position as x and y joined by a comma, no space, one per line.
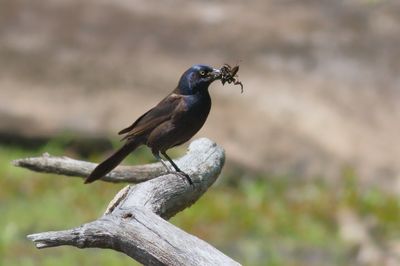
257,220
322,86
321,77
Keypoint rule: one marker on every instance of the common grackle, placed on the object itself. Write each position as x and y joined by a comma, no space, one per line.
171,122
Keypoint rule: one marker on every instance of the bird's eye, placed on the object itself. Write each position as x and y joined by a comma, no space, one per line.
202,72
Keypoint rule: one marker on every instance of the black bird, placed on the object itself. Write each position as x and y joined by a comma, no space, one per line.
171,122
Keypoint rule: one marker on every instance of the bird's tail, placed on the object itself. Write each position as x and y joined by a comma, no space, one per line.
111,162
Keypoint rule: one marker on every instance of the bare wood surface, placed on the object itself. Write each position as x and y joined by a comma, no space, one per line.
134,221
76,168
143,236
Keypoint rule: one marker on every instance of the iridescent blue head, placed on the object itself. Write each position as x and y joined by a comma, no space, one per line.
197,79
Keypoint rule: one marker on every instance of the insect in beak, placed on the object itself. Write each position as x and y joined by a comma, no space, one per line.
229,74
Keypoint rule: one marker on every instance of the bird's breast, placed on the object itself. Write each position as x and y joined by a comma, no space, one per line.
188,119
195,113
197,107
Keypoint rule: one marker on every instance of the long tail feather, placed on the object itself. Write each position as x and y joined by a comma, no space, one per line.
111,162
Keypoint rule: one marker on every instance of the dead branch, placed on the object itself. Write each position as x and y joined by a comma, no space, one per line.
134,221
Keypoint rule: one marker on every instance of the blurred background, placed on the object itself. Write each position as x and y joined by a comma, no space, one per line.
312,175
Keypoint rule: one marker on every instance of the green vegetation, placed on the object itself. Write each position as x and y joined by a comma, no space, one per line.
258,220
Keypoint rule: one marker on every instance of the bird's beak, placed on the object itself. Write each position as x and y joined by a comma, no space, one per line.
215,74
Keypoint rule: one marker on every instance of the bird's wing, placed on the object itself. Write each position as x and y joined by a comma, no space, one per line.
126,130
154,117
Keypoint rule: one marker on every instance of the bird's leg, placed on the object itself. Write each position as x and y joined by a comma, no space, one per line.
177,168
158,157
172,162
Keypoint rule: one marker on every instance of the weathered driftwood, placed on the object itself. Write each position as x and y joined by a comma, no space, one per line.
71,167
133,222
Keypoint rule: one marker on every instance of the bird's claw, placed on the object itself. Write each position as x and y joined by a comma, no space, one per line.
183,174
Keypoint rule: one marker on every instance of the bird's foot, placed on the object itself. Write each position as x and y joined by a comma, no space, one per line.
183,174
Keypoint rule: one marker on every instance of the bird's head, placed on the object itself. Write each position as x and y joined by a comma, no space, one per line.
197,79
